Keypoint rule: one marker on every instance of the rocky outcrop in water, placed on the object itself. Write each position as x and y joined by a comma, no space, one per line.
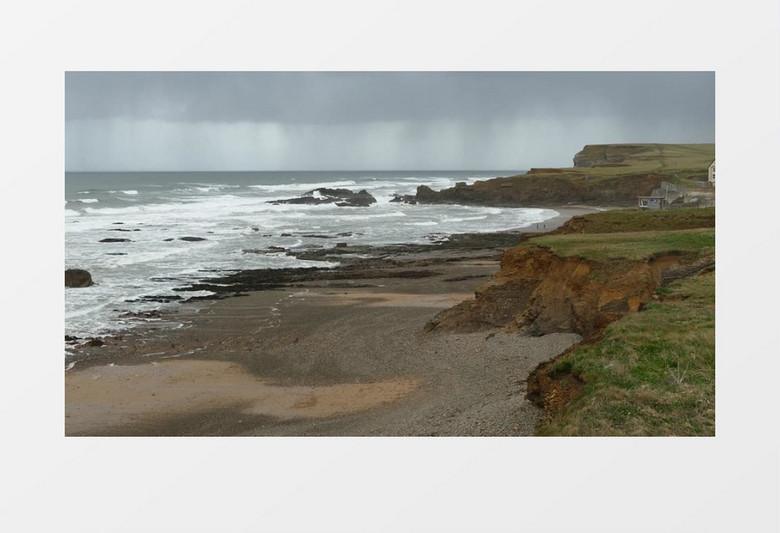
77,277
324,195
404,199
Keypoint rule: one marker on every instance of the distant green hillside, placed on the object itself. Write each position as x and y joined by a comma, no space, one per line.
685,161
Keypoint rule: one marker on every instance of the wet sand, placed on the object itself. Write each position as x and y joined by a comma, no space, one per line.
332,357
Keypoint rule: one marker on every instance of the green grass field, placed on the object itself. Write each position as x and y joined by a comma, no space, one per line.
685,159
631,246
625,220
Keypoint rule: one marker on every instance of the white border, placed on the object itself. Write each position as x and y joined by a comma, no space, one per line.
726,483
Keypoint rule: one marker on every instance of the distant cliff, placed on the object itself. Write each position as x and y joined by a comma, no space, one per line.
607,174
536,189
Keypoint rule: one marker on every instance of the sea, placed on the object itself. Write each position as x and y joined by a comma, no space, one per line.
230,211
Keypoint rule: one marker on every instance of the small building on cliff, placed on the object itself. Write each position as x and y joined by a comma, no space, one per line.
711,173
651,202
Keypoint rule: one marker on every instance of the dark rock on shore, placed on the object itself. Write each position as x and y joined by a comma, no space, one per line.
269,250
123,229
115,240
142,314
324,195
192,239
157,299
77,277
269,279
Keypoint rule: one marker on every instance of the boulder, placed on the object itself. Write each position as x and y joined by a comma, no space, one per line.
76,277
115,240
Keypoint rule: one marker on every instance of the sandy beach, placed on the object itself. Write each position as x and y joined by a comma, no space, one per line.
342,356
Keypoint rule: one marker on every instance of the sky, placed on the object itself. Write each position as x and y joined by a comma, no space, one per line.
180,121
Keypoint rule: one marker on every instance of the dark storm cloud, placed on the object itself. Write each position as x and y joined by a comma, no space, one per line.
418,118
339,97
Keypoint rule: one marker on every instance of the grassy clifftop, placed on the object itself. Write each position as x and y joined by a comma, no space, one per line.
608,158
650,372
607,174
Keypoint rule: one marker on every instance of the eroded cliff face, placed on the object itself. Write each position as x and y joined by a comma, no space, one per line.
537,292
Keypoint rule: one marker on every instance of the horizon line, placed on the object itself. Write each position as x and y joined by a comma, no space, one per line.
311,170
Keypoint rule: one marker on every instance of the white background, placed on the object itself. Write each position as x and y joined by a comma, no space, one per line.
725,483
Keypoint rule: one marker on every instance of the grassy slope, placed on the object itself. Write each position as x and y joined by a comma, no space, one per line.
662,158
623,220
653,372
633,245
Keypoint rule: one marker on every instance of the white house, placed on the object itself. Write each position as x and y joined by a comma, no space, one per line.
711,173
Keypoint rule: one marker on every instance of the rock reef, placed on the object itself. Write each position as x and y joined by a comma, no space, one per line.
324,195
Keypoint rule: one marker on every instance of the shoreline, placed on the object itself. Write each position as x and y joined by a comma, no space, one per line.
342,354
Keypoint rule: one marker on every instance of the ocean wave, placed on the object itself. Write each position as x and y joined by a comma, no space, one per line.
88,200
72,213
463,219
205,187
304,186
